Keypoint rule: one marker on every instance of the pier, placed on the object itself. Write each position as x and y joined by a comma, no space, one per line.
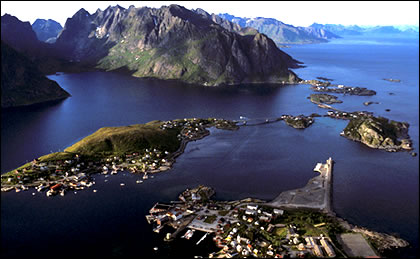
316,194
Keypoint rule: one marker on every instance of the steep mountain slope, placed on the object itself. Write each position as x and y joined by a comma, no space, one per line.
22,83
46,30
172,43
282,33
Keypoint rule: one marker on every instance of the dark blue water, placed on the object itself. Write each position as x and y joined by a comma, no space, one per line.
372,188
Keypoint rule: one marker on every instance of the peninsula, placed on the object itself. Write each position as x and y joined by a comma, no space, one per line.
142,148
298,223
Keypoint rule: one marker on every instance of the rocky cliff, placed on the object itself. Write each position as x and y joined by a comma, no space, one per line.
172,42
22,83
379,132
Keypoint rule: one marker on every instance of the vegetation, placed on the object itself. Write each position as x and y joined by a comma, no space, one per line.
324,98
121,140
376,131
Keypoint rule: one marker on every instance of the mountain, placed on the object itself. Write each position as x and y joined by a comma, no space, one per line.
339,29
228,25
18,34
172,42
22,38
46,30
282,33
352,30
22,83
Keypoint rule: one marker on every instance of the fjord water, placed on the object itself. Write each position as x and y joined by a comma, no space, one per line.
371,188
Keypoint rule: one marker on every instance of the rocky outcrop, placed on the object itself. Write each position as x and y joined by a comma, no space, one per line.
379,132
173,43
22,83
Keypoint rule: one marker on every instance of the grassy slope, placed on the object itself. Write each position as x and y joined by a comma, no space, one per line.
120,140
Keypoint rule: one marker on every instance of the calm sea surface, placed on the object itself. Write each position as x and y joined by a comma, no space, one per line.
371,188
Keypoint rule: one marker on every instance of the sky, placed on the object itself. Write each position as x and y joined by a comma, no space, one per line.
297,13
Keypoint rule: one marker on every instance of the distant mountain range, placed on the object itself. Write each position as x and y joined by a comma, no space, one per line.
343,31
282,33
46,30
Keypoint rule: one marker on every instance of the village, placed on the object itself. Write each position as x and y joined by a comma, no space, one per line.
245,228
58,176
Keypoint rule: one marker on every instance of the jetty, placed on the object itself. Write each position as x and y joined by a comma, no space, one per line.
315,195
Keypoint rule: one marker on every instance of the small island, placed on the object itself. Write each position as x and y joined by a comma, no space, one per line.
324,98
369,103
326,86
392,80
298,122
141,148
379,132
341,89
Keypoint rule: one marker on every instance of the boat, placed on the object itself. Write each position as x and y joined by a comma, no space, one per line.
49,193
158,228
62,192
41,188
188,234
167,237
6,189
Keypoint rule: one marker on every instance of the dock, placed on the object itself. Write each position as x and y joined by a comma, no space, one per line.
316,194
201,239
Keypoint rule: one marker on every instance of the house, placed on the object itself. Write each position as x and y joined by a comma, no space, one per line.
327,247
278,212
176,216
252,207
264,218
250,212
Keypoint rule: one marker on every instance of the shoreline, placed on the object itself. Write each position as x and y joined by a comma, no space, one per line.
202,207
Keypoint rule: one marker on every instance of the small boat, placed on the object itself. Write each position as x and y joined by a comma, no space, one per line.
139,181
41,188
122,184
155,248
6,189
94,190
188,234
158,228
17,189
49,193
114,172
62,192
145,176
33,194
